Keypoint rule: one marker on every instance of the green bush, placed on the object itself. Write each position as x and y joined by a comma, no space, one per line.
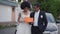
52,6
2,27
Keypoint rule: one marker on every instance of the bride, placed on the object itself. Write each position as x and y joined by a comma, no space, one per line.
24,28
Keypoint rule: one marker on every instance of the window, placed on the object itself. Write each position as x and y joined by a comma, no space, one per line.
50,18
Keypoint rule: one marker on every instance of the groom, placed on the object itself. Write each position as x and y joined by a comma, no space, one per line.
40,21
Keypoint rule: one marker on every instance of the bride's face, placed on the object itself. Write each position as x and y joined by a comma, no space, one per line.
26,9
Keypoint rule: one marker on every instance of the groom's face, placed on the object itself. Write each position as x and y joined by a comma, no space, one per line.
36,8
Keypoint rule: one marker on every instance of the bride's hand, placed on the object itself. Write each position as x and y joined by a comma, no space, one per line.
21,21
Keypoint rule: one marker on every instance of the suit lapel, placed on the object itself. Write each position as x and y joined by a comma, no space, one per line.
33,14
39,15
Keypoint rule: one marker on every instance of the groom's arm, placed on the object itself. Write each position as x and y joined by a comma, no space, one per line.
31,15
45,21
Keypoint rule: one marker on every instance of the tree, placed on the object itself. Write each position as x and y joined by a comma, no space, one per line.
19,0
51,6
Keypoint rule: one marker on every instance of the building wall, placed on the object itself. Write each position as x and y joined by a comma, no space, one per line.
5,13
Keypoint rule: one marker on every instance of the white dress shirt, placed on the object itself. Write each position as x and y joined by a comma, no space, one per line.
36,18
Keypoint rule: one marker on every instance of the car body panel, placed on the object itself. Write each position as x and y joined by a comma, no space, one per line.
51,27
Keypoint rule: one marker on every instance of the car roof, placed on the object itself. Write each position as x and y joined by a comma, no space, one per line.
48,13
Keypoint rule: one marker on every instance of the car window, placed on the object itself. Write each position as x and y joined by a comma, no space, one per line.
50,18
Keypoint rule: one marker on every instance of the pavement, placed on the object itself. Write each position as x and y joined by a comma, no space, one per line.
58,28
12,30
7,30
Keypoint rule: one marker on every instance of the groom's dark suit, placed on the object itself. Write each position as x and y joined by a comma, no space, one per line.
42,23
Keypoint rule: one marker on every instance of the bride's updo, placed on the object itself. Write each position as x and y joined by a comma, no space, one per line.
25,4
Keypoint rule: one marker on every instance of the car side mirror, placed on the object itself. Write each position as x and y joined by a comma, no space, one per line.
57,21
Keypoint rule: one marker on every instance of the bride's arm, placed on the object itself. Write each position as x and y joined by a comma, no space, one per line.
19,17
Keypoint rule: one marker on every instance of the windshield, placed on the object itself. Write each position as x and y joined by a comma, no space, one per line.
50,18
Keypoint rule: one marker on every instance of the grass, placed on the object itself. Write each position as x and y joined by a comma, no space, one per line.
2,27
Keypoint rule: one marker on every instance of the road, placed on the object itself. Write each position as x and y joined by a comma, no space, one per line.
58,28
7,30
12,30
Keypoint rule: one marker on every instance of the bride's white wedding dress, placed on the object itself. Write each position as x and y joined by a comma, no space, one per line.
24,28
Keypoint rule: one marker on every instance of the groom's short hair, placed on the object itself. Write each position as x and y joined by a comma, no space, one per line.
37,4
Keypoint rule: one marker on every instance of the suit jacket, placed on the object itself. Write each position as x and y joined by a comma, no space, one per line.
42,21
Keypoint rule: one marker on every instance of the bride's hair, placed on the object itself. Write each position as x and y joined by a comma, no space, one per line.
25,4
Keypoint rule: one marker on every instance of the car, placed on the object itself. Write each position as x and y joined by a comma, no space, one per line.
57,21
52,27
